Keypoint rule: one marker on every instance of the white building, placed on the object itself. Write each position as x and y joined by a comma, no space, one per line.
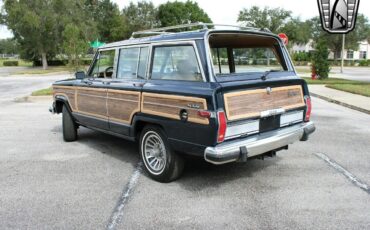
361,54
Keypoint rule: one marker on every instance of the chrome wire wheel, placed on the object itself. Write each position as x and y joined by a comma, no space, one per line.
154,152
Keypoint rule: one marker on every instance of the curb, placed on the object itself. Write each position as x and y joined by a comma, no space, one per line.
341,103
33,98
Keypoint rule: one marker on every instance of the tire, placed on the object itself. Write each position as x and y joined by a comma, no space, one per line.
155,151
69,126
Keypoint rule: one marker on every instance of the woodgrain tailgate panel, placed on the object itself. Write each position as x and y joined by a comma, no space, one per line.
250,103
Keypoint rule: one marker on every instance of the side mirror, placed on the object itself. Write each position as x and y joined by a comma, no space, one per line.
80,75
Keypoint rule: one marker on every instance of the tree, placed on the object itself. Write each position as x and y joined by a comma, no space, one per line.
320,62
273,19
9,46
74,44
175,13
299,32
139,16
77,29
34,25
110,24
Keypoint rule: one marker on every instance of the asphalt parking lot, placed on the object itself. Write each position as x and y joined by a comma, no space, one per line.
97,182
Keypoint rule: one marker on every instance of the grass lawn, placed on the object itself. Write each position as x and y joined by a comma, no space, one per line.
42,92
51,69
330,81
356,87
361,89
303,69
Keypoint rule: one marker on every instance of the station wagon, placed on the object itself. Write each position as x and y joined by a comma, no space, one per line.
224,94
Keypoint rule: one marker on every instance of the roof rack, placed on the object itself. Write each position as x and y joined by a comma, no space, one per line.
205,26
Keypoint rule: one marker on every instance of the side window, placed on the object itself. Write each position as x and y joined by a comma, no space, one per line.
127,64
132,63
143,61
175,63
103,66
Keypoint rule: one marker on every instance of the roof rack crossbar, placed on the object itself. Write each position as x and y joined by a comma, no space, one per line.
164,30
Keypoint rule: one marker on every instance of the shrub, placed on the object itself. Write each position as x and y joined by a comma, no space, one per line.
321,65
51,63
364,63
10,63
301,56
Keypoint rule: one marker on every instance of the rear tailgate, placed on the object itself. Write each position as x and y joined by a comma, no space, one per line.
263,107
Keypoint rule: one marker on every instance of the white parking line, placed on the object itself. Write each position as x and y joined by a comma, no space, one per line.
117,214
343,171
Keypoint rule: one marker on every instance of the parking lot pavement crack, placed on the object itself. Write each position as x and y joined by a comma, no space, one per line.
356,181
127,192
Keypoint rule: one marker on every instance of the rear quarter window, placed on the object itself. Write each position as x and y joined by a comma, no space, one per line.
175,63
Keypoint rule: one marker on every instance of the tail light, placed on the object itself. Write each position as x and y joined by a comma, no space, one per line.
308,108
221,126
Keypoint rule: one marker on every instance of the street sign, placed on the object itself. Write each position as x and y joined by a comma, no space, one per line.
96,44
284,37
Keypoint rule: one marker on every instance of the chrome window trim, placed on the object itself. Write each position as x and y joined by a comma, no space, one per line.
140,46
174,43
113,46
212,75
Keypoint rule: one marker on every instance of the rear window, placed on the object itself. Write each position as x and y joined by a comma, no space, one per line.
235,54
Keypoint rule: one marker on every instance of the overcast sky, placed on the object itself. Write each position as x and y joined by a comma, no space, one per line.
226,11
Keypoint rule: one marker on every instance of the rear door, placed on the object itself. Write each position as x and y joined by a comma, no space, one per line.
91,92
177,90
124,91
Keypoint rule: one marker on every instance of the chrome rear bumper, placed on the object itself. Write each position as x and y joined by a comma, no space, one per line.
258,144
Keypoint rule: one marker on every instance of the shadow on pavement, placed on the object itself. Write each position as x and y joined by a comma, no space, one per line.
198,174
118,148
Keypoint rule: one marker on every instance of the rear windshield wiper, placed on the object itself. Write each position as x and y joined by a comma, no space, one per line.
265,74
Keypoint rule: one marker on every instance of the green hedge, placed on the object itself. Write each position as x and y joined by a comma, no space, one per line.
10,63
364,63
52,63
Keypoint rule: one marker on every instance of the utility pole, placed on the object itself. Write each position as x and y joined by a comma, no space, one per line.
343,43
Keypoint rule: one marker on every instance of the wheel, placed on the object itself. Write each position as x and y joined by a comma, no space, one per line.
69,126
160,161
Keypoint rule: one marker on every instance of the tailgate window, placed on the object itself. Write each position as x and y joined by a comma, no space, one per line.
245,54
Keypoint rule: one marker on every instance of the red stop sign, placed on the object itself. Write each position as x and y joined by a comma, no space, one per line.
284,37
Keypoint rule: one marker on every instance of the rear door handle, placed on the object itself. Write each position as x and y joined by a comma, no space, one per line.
106,82
138,84
88,82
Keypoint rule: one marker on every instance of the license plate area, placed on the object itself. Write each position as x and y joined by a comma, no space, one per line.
269,123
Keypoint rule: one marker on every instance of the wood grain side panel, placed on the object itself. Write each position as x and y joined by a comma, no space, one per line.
170,106
122,105
251,103
91,101
67,91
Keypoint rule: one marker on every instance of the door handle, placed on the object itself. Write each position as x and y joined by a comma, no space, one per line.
138,84
106,82
87,82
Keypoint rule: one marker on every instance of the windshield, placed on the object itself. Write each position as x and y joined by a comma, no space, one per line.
235,54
